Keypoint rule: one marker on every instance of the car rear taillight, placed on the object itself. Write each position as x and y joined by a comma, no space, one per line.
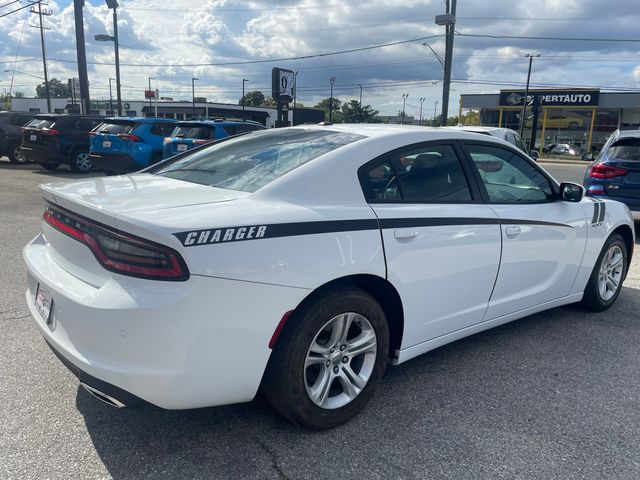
600,170
129,136
200,142
93,134
118,251
166,140
50,131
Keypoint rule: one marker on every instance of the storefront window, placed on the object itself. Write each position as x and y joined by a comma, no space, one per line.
606,123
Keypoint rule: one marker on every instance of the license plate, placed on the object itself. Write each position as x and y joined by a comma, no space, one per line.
182,147
106,144
44,304
33,138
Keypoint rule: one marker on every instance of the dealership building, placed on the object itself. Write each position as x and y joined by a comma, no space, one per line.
267,116
582,117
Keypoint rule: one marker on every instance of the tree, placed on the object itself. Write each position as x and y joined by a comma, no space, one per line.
255,98
57,89
324,105
353,112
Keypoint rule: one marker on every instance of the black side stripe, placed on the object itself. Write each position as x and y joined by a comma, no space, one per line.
254,232
603,207
596,213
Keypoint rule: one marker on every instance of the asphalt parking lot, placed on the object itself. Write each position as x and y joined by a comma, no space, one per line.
553,396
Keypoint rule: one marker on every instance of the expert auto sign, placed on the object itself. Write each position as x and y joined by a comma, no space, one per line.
565,98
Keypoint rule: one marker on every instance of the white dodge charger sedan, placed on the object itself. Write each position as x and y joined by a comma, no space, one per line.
302,260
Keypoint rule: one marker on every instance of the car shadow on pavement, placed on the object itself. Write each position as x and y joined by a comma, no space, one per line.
539,395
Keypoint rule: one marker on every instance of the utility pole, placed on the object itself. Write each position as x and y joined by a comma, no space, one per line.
421,102
81,55
526,92
193,98
404,101
110,98
435,108
332,80
244,80
45,13
449,21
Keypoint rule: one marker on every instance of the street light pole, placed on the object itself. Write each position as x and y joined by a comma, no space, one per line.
404,101
150,78
110,98
193,97
449,21
113,5
243,82
435,107
526,92
421,102
332,81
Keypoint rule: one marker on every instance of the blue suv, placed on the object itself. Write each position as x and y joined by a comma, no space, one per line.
128,144
190,134
615,173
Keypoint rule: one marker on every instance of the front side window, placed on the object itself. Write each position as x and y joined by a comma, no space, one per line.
249,162
509,178
431,174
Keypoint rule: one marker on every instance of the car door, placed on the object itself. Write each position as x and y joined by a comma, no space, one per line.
543,237
441,243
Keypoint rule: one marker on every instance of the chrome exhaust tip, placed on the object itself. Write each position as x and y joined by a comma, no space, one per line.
103,397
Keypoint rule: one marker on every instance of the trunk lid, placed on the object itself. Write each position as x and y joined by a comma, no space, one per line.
112,137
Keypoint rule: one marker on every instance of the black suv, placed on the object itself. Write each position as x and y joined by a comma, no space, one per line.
51,140
11,134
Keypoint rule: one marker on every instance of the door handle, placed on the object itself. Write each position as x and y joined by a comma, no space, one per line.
406,234
512,231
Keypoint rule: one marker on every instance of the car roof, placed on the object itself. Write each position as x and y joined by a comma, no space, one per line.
628,133
483,129
140,119
209,121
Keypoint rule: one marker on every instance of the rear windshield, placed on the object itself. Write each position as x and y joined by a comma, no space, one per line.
625,149
41,123
250,162
193,131
115,128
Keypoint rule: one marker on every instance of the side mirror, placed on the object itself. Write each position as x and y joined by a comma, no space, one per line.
588,156
571,192
534,154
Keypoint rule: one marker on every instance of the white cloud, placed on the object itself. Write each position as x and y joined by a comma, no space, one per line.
183,33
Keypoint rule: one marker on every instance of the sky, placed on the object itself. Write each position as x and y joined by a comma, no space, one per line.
582,43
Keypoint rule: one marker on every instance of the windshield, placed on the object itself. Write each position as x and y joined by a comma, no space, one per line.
250,162
625,149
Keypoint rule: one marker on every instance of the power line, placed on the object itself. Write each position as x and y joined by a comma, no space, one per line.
570,39
18,9
10,3
252,62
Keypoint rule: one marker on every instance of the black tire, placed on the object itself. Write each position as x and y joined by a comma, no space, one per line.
285,381
15,156
50,166
593,297
80,162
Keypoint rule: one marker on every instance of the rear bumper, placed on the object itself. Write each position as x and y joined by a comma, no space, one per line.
191,344
114,162
44,154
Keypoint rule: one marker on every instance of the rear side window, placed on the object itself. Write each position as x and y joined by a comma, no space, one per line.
199,131
625,149
163,129
429,174
115,128
41,123
19,120
236,129
249,162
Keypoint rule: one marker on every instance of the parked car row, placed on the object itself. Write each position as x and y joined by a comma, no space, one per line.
112,145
